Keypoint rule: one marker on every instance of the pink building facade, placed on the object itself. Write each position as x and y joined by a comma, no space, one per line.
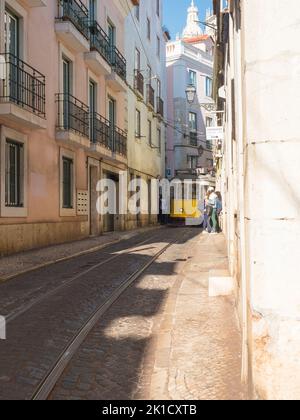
62,118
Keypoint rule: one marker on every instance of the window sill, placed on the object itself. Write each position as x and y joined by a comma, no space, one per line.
14,212
67,212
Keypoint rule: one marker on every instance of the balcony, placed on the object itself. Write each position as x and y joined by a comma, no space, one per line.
72,25
120,142
100,132
150,97
113,139
22,93
73,122
160,107
139,83
99,56
117,80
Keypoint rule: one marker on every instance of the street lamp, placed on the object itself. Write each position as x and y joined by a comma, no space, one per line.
190,93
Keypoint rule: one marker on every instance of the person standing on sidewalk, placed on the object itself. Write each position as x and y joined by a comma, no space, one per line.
206,213
213,202
219,209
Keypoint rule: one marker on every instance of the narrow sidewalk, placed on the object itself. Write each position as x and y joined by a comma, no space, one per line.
27,261
198,344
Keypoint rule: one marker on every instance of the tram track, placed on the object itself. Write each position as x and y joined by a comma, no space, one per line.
46,327
47,385
19,312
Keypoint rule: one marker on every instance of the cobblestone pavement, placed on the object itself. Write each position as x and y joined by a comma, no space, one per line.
47,307
164,338
26,261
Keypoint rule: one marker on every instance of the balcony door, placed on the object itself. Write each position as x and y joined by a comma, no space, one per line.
112,121
92,106
67,91
11,38
92,10
11,33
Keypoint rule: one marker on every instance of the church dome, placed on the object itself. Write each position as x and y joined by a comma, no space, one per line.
192,29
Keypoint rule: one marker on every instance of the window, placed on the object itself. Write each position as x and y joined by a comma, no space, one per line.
137,60
193,121
209,87
158,88
209,122
14,174
209,145
149,132
138,123
11,33
92,10
148,29
158,7
137,12
193,162
149,70
193,126
159,139
192,78
158,47
67,183
92,105
111,34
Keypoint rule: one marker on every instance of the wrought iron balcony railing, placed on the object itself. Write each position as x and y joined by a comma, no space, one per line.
193,139
73,115
100,131
100,41
139,82
118,63
77,13
120,141
22,85
160,106
150,96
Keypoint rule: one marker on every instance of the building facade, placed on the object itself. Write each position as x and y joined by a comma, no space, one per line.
63,118
146,65
190,62
258,174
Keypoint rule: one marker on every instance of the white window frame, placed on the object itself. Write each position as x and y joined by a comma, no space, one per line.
14,212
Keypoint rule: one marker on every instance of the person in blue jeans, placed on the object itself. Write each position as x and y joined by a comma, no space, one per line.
213,203
207,214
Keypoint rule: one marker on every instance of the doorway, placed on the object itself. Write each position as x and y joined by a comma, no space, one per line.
111,221
93,197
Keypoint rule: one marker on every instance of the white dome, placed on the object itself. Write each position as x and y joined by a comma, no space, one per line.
192,28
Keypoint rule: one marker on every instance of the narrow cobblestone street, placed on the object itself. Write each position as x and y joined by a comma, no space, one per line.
163,338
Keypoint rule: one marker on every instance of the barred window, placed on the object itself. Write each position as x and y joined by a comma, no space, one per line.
67,183
14,174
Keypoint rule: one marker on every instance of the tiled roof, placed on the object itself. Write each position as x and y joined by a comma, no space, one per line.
196,39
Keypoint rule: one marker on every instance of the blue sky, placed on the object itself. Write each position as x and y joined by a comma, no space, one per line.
175,12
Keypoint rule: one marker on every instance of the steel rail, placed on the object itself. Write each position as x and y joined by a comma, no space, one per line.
14,315
48,383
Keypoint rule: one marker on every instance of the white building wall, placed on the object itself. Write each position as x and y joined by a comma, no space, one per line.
260,179
182,57
141,157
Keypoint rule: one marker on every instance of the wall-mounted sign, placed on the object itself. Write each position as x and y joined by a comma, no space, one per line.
214,133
